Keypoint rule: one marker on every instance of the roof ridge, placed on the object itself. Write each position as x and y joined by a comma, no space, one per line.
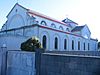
45,16
72,21
38,14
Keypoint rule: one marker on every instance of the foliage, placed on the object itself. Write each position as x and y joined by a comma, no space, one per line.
31,44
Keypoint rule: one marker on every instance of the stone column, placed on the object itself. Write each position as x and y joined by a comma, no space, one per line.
38,53
4,60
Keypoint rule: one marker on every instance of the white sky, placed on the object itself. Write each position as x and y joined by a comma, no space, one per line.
80,11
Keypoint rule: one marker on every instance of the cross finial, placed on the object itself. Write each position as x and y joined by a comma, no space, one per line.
66,15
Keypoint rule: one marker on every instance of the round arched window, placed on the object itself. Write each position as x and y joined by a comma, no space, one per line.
44,40
43,23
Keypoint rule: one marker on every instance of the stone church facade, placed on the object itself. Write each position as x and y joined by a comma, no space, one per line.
23,23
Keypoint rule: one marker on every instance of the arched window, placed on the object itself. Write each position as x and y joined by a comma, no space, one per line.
44,40
53,25
37,22
67,29
61,28
56,43
72,44
65,44
16,10
88,46
84,46
78,45
43,23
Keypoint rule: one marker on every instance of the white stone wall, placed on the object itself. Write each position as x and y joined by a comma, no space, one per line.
12,42
51,34
49,24
17,17
86,33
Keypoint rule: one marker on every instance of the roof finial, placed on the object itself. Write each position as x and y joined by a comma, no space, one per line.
67,15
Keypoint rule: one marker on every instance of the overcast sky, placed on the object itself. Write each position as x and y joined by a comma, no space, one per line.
80,11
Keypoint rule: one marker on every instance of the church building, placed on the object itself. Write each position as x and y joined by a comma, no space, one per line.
65,35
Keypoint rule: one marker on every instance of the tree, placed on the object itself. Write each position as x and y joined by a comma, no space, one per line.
31,44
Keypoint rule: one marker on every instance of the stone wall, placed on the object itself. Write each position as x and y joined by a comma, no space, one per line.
48,63
86,53
63,64
3,61
12,42
20,63
0,62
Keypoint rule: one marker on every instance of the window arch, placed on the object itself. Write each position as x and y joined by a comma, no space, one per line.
19,21
78,45
56,43
72,44
44,40
37,22
67,29
43,23
65,44
61,28
53,25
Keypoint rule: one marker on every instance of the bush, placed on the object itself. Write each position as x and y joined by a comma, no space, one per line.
31,44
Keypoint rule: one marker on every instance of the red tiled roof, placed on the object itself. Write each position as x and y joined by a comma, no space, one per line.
37,14
44,16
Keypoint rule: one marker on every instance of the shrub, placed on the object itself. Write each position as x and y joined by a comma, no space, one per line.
31,44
